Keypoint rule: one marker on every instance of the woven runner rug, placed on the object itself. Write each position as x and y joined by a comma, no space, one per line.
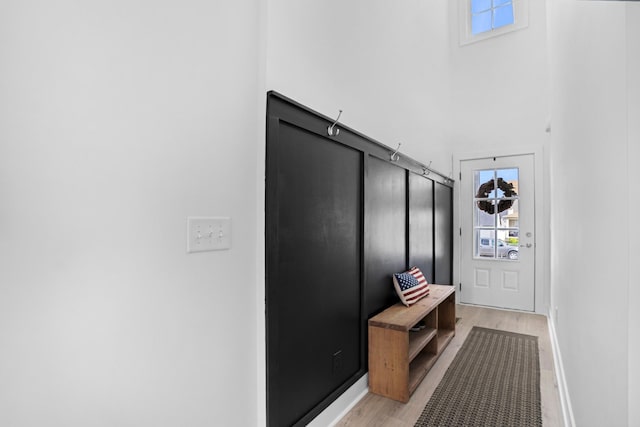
493,381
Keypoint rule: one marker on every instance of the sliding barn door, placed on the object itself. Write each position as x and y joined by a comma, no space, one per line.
421,225
386,240
314,217
443,239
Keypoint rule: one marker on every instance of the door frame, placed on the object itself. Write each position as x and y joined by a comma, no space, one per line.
541,219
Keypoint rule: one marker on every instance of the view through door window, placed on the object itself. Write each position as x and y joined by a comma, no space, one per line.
496,229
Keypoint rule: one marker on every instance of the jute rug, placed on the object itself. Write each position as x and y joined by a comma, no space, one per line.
494,380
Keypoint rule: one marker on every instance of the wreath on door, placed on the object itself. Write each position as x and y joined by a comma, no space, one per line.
485,189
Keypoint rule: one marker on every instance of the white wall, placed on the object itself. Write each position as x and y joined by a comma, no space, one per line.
385,64
633,102
499,86
118,120
590,214
499,105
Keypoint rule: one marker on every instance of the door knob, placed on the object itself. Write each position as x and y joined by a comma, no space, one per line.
528,245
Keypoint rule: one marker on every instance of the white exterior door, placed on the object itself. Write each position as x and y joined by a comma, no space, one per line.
497,259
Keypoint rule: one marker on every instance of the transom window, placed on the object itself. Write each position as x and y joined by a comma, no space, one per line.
487,15
484,19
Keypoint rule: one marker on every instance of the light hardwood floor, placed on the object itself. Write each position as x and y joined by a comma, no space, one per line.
374,410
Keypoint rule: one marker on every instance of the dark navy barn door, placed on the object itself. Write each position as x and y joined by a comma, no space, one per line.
443,238
386,234
314,297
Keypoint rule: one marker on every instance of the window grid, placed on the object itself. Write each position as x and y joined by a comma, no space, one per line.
490,229
487,15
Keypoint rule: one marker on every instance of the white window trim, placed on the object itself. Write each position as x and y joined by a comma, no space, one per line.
520,21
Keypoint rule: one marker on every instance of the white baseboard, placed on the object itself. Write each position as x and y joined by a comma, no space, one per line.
339,408
565,401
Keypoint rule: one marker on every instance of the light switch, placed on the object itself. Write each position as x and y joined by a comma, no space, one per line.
208,233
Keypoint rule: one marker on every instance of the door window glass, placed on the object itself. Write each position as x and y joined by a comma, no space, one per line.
496,228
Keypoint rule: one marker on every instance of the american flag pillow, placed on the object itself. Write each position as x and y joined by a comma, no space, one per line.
411,285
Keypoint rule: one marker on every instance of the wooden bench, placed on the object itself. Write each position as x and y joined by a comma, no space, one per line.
400,358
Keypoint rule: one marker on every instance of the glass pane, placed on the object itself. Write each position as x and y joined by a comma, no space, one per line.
481,22
513,237
507,182
506,249
502,16
482,216
500,2
484,184
484,240
480,5
509,217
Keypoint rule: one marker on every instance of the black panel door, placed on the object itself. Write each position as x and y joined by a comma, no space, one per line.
314,228
386,243
421,225
443,239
